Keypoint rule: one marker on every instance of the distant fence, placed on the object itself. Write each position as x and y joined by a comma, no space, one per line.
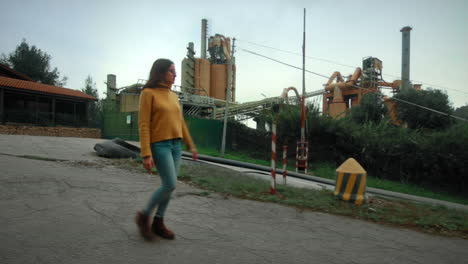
205,132
121,125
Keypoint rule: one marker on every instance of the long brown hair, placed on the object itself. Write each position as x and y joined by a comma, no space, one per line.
160,67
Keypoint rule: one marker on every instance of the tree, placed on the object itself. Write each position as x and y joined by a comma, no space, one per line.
417,117
94,107
90,87
371,109
34,63
462,112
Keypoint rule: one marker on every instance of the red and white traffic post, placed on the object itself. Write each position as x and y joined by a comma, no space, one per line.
285,162
273,159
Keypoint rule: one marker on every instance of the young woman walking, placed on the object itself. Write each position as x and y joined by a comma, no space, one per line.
161,126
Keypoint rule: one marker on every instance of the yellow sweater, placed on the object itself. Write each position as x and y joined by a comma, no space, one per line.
160,118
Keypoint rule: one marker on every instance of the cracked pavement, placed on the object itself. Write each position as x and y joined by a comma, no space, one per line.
65,212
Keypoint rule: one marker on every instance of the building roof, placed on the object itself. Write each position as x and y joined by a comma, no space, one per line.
9,72
42,88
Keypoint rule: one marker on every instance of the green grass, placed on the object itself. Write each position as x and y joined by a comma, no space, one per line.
239,156
431,219
427,218
327,171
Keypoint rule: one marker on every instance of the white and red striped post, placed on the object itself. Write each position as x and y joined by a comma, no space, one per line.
273,159
297,157
306,165
285,162
302,156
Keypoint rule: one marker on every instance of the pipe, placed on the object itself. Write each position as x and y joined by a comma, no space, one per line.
356,75
340,81
394,84
327,181
225,45
336,75
286,90
332,86
258,167
337,96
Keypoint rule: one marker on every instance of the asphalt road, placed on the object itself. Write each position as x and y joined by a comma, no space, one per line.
81,210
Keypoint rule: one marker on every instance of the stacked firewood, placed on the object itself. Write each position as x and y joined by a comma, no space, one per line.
50,131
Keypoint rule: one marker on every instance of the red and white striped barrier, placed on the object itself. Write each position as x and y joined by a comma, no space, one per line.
285,162
273,159
302,155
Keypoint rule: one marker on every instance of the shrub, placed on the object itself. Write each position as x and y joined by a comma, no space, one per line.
417,117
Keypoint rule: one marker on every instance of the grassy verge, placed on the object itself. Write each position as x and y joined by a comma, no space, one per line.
431,219
239,156
325,170
426,218
328,171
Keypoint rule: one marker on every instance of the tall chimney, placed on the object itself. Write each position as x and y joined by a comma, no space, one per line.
204,25
111,86
405,58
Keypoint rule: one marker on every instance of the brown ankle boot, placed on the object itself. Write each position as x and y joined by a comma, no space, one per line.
160,229
143,223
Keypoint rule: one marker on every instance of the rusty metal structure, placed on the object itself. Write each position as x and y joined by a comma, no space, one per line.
342,93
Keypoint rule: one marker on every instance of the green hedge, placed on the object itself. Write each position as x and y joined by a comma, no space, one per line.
438,159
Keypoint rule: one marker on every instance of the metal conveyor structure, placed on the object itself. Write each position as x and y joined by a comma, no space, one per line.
249,109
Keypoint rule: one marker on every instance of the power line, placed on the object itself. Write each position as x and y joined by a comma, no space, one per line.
349,66
321,75
411,103
298,54
284,63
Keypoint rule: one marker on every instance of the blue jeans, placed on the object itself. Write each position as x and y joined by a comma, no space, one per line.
166,155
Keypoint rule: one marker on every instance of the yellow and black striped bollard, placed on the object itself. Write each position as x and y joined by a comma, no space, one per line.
351,182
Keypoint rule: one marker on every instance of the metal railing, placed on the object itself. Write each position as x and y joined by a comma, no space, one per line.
254,108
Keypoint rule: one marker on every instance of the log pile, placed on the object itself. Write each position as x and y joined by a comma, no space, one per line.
58,131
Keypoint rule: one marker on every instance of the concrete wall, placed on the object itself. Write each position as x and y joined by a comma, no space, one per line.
129,102
50,131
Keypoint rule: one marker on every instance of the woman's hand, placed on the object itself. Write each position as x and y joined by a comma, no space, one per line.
148,163
194,154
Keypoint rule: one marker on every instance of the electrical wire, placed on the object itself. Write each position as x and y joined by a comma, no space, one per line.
284,63
411,103
298,54
349,66
321,75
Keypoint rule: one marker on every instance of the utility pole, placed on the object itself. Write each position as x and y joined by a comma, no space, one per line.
228,97
303,81
302,145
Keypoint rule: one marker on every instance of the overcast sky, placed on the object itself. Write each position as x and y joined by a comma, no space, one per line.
99,37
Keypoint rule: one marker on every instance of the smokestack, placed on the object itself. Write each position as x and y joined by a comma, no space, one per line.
405,58
111,86
204,25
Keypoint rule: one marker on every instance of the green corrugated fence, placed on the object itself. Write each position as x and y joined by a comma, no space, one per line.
205,132
121,125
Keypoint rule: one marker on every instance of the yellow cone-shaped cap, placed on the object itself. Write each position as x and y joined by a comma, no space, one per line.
351,166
